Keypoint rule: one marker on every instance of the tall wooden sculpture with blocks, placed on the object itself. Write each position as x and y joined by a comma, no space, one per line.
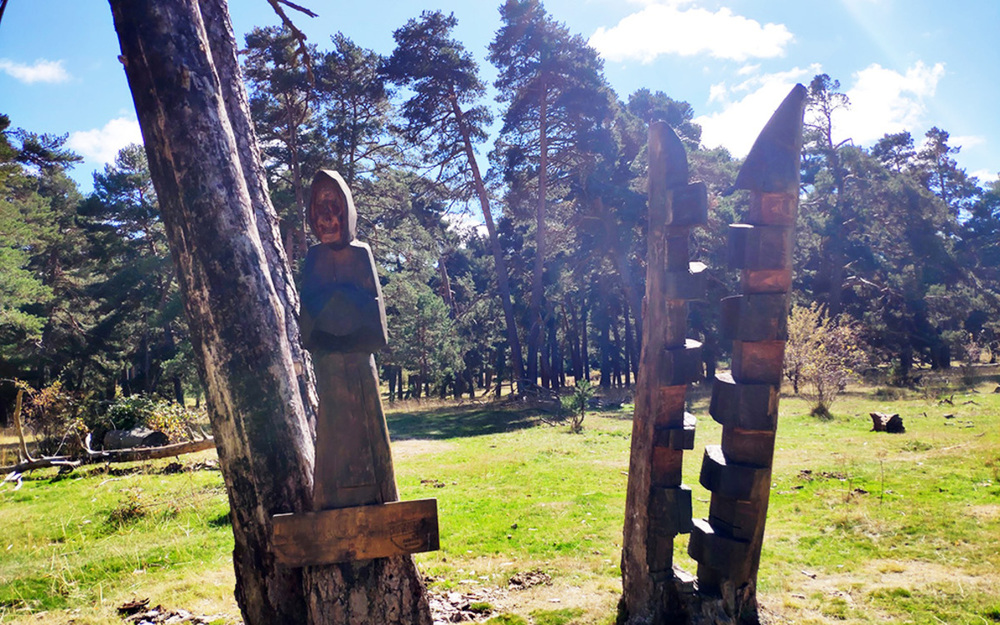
726,545
658,504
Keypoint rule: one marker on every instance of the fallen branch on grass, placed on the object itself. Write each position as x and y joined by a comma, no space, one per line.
117,455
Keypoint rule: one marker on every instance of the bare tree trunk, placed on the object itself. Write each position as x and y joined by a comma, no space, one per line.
21,445
503,284
240,305
537,275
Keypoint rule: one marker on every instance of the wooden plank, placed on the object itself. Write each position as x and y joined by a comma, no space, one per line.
734,518
670,510
358,533
669,409
666,466
751,447
744,406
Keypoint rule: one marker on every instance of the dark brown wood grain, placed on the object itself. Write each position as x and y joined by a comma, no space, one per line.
354,534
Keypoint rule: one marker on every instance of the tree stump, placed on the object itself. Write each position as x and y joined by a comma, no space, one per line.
891,423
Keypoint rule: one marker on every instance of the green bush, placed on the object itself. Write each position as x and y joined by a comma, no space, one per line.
155,413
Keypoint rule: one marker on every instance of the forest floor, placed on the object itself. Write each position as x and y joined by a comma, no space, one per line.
862,527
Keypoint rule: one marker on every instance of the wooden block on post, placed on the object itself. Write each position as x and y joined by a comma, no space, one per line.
687,285
358,533
772,209
745,406
689,207
738,481
717,552
755,317
669,410
676,438
734,518
766,280
670,510
760,247
677,256
751,447
758,362
681,366
667,466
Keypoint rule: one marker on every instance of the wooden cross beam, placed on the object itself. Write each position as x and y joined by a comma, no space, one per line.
357,533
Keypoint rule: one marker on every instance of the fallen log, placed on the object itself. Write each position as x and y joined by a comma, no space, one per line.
140,436
116,455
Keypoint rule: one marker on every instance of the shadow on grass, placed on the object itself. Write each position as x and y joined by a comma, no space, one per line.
440,422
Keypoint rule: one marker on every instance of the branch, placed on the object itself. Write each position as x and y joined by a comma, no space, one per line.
117,455
298,34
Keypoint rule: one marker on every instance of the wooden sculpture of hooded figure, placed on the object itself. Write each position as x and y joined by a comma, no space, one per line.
343,324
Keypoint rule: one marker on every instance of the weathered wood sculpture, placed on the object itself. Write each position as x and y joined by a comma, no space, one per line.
356,513
658,505
727,545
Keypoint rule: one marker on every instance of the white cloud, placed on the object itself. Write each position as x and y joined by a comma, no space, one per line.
467,220
102,144
662,28
886,101
985,175
717,92
966,141
41,70
882,101
740,121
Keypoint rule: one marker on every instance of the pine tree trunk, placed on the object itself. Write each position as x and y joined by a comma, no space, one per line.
215,15
538,269
584,342
503,284
240,305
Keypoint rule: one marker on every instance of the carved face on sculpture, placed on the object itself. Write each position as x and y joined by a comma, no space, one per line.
331,210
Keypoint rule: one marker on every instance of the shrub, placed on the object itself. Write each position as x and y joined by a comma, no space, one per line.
577,403
155,413
822,355
51,414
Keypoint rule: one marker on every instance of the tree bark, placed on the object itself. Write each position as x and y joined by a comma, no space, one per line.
223,46
241,305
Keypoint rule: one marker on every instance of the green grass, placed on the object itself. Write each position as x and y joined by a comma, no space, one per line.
862,526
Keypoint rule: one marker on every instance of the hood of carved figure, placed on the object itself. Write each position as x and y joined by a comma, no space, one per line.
332,216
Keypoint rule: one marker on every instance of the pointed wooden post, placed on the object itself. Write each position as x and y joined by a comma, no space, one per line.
658,505
727,545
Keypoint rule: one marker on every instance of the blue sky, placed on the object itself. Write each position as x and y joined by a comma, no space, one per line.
906,64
